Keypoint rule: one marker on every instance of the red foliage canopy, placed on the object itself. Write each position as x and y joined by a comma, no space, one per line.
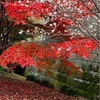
32,54
19,11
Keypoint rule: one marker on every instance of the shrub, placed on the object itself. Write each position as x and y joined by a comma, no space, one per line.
30,78
25,73
67,90
87,76
96,79
38,81
47,84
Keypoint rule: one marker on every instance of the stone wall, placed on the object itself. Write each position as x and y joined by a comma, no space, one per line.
94,60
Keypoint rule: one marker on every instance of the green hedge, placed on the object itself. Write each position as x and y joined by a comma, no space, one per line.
72,87
87,76
86,86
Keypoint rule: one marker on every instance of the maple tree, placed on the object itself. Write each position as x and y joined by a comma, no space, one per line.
53,21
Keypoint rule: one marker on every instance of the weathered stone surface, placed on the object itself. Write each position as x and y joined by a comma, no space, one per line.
94,59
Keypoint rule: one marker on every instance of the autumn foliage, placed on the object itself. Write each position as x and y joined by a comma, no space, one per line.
32,54
59,19
20,11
